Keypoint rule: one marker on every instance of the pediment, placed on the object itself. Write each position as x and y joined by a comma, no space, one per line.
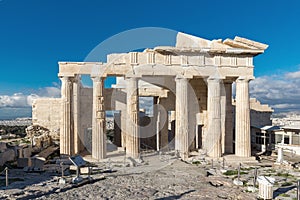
189,41
186,43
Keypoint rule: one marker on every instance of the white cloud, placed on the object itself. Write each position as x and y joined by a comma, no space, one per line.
16,100
30,98
20,100
147,104
285,106
281,92
49,92
293,75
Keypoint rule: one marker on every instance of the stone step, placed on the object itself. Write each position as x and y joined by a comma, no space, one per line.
233,159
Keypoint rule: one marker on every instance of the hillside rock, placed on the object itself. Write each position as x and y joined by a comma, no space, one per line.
2,147
41,137
8,155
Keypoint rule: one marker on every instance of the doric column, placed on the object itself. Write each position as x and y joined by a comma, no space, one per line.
156,117
172,118
117,129
228,119
66,126
242,120
181,132
223,116
156,120
164,123
98,131
123,128
213,141
161,117
132,125
76,112
290,139
171,127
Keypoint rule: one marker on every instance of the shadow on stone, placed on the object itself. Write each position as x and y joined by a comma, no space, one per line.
176,196
279,191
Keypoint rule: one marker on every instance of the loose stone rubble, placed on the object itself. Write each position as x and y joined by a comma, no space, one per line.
160,176
41,137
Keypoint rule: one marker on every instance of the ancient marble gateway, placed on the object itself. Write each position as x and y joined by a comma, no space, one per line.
191,84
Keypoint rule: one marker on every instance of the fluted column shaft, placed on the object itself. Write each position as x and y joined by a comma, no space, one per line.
228,119
242,121
98,129
123,128
182,126
156,115
214,118
76,112
164,123
132,125
223,116
66,126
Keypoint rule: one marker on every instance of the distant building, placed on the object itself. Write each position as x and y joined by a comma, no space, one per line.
288,138
287,120
284,133
269,138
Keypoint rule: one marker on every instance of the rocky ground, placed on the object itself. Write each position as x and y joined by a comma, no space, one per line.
159,177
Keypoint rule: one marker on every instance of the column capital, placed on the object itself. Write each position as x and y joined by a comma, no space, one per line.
214,79
132,78
178,78
98,78
245,78
228,81
77,78
70,75
129,76
66,78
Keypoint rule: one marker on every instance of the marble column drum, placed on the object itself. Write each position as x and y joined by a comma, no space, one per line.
78,146
214,118
242,121
98,131
223,115
182,123
228,119
132,125
66,125
164,123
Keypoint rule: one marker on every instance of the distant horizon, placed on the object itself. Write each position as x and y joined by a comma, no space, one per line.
110,114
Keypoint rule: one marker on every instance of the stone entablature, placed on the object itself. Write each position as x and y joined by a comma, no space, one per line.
202,58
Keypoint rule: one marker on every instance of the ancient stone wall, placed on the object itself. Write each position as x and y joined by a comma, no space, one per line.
46,113
260,114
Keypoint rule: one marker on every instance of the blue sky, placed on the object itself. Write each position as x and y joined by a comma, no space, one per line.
35,35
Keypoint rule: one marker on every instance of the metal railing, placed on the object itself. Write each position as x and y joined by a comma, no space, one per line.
293,152
6,175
